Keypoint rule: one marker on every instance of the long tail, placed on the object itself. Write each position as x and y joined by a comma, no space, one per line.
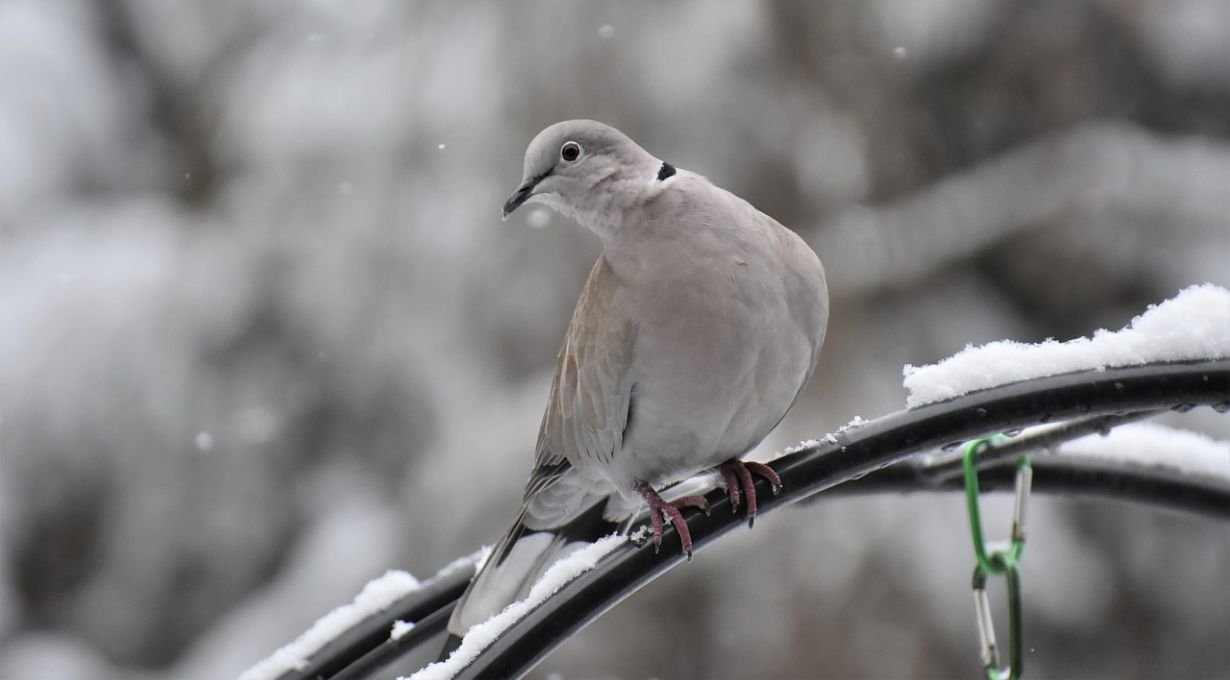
519,560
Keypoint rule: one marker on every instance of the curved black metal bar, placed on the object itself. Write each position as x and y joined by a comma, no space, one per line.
860,461
852,455
373,632
1063,475
941,468
1154,483
1059,475
390,649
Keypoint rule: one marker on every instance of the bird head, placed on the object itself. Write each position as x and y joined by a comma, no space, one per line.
577,167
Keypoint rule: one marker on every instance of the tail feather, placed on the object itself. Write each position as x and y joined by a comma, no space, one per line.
521,557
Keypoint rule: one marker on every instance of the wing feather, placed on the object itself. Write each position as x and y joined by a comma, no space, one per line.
588,405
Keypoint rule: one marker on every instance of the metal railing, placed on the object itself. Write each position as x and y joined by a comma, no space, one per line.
876,457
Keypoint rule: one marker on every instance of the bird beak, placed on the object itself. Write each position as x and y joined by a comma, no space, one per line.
524,192
521,195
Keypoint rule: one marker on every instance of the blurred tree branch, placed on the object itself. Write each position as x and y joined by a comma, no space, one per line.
1104,165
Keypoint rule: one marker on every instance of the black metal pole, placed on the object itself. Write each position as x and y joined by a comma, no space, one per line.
373,632
854,454
870,459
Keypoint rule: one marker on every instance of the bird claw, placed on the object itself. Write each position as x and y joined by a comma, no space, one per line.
732,486
738,476
762,470
739,486
697,502
660,510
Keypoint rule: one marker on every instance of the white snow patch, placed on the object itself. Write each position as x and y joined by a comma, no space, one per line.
1156,446
640,535
400,628
806,444
854,424
1195,324
375,596
483,634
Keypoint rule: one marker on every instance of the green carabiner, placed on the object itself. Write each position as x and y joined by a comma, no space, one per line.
997,562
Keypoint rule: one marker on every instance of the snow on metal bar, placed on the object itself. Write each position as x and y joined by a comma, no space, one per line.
1193,325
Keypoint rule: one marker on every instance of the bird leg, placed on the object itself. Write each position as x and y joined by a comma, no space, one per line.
659,508
738,475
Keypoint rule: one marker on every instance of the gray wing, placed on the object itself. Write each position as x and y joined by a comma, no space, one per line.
587,410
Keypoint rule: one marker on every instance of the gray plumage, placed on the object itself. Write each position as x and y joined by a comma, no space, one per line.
698,328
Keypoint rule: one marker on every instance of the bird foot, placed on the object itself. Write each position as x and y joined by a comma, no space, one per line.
697,502
660,509
738,476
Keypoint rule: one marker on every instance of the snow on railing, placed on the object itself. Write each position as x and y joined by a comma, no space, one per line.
1195,324
375,597
1190,454
483,634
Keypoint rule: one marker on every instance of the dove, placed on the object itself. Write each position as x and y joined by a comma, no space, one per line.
697,329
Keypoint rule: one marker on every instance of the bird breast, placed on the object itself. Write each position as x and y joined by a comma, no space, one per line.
718,361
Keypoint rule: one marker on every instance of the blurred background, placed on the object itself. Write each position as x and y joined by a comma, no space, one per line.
263,335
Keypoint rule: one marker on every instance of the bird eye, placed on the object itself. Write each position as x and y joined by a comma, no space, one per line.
570,151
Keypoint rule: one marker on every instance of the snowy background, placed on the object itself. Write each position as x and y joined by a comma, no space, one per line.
263,335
